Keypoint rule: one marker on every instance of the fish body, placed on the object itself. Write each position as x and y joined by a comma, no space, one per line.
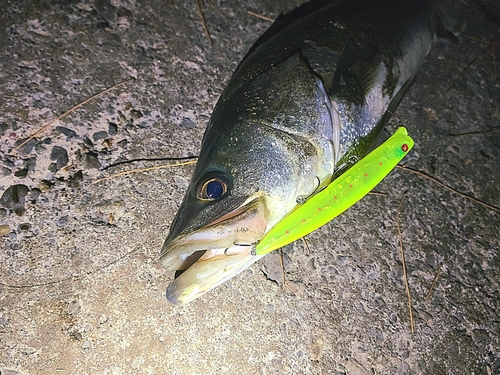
308,100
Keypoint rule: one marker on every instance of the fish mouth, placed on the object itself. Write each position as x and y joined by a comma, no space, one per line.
214,253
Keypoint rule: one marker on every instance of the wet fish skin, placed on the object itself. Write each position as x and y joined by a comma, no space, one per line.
312,94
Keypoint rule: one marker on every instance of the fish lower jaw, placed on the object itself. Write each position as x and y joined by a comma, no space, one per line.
213,268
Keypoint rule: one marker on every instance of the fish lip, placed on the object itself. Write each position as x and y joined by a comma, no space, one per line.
214,253
224,232
199,278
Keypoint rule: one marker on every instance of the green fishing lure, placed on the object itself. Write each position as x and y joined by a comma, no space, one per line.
339,195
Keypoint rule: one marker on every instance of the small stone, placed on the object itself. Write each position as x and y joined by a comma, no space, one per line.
23,113
135,113
60,156
40,148
21,173
16,246
70,134
100,135
3,127
88,143
14,198
103,319
38,104
24,226
28,350
124,13
73,307
273,268
62,221
112,129
110,110
90,161
45,185
34,194
52,167
141,52
187,123
4,229
28,147
74,181
30,164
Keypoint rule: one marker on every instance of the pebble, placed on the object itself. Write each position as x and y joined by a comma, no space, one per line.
90,161
60,156
100,135
14,198
112,129
70,134
187,123
4,229
28,147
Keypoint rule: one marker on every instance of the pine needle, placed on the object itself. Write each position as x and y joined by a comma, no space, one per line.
434,281
403,261
143,170
203,22
433,179
43,128
306,246
260,16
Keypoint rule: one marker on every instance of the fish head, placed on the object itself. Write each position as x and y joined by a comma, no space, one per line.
254,166
235,195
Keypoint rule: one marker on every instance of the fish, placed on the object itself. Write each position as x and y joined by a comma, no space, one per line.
308,101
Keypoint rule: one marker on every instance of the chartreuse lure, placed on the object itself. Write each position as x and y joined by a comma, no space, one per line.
339,195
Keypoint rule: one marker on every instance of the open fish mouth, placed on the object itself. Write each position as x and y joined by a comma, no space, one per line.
215,253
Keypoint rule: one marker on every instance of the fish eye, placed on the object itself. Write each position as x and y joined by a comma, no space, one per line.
213,189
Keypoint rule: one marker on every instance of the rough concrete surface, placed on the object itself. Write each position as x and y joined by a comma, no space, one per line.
80,289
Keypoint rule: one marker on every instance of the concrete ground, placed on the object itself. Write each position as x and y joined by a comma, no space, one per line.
81,291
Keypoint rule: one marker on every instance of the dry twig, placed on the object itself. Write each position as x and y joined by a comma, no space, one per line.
403,261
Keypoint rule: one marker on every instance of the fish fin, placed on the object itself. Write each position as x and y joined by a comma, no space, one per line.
347,60
366,70
443,33
393,105
316,56
381,138
356,72
373,138
284,20
399,96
